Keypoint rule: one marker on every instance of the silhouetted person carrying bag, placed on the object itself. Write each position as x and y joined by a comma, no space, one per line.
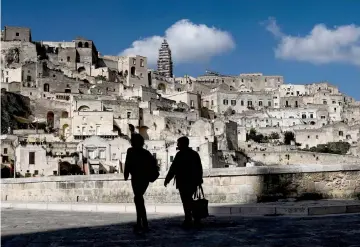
143,169
187,171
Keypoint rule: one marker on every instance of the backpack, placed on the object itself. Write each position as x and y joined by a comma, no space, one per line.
153,169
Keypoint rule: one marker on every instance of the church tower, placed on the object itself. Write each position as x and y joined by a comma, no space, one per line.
164,63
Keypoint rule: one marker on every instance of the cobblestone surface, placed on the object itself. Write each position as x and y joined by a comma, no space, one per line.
45,228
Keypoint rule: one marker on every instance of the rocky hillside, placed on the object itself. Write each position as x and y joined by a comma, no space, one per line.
13,104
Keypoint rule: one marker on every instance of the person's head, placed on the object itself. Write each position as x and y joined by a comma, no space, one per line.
183,143
137,141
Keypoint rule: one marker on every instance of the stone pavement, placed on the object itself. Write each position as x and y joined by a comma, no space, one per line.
50,228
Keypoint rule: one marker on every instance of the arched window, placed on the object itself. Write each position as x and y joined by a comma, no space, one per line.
80,45
86,45
81,69
83,108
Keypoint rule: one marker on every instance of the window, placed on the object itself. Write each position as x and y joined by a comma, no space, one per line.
311,115
36,172
68,59
341,133
212,102
128,114
317,137
7,79
233,102
154,154
335,109
269,103
5,150
242,102
102,154
91,154
324,102
308,137
296,104
260,103
97,130
192,103
28,78
83,131
249,103
55,173
171,158
225,101
31,158
322,117
287,103
134,61
142,62
334,102
17,34
198,149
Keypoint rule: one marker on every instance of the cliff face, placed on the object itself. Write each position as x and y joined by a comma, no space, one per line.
13,104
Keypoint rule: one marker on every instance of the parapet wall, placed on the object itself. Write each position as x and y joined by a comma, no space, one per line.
232,185
301,158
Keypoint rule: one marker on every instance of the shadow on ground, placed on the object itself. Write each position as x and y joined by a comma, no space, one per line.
45,228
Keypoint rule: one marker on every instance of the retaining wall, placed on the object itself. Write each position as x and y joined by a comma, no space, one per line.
231,185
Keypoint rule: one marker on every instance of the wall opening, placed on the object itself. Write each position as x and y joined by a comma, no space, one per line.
50,119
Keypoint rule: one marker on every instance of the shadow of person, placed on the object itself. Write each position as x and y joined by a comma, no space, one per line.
137,164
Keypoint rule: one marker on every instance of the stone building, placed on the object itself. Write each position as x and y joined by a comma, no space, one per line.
164,63
17,34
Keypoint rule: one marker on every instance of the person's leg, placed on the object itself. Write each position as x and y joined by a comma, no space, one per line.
186,199
137,201
144,220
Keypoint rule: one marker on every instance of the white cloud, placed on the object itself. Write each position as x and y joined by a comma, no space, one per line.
188,42
322,45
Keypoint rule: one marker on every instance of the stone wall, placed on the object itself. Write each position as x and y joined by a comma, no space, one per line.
233,185
284,157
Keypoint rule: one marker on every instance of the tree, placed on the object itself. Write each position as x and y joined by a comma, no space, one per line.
274,135
288,137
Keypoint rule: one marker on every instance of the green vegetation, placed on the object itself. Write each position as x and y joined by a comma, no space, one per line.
331,148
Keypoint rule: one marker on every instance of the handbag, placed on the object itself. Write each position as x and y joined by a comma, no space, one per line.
154,170
200,204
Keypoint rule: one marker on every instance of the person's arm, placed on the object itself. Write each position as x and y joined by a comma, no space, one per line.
127,164
171,172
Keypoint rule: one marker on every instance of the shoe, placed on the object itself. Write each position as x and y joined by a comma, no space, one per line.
137,229
186,225
198,224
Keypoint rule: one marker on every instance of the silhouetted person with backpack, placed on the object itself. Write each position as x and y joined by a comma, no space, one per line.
187,171
139,163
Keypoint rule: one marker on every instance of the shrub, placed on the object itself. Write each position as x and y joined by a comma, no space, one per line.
274,135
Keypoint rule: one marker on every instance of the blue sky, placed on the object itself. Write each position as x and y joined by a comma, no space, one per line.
115,24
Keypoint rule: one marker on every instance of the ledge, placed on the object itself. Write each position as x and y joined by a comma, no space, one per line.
215,172
277,209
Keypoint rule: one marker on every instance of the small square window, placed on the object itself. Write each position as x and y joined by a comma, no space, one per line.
17,34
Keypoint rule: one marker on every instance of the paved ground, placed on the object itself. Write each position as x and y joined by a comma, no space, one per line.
46,228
